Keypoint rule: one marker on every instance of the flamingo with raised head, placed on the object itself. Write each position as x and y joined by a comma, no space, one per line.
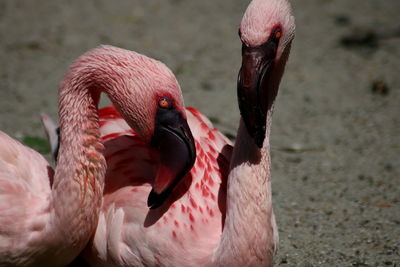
46,217
220,213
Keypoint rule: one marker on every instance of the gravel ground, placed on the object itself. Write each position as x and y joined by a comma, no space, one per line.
335,138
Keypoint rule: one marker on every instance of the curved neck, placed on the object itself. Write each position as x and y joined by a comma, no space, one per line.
79,177
78,183
248,238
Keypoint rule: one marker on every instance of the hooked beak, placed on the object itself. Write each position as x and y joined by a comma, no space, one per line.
173,139
254,90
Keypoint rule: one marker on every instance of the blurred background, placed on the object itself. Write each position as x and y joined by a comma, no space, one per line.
336,131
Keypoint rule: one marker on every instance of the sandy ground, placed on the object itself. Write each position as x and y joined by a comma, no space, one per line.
335,138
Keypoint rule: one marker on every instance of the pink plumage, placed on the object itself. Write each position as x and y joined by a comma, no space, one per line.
221,213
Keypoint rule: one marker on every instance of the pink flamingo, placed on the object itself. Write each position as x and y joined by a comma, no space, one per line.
47,218
220,214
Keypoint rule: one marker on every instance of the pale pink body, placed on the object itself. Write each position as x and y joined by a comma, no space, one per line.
180,233
46,217
221,213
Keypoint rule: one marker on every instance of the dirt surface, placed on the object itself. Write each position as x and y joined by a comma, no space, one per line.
335,137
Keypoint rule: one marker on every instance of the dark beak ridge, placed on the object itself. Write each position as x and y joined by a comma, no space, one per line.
252,88
173,139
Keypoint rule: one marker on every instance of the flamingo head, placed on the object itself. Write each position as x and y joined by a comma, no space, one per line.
266,31
152,104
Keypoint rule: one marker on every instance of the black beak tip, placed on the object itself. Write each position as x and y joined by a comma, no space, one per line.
155,200
258,136
259,140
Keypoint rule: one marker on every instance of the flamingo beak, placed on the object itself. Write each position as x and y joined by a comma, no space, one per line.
173,139
254,90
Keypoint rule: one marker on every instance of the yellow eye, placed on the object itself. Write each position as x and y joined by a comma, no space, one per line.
278,34
163,103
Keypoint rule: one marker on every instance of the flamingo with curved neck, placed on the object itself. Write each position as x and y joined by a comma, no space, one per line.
47,218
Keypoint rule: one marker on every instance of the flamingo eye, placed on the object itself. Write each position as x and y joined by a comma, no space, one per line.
278,34
164,102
